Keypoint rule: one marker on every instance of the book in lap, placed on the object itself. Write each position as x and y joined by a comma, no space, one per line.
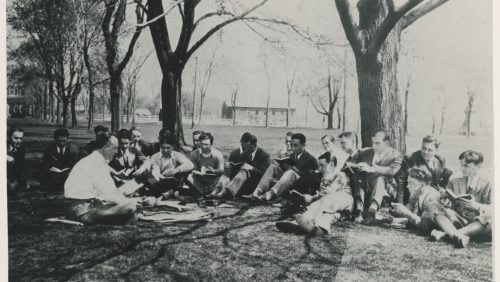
285,160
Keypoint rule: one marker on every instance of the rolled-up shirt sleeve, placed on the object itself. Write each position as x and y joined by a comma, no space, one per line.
184,164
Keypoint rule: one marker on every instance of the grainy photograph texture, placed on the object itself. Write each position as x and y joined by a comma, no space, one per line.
249,140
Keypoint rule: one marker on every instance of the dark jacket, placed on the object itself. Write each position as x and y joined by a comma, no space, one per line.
307,164
145,148
134,159
440,174
15,170
260,162
68,159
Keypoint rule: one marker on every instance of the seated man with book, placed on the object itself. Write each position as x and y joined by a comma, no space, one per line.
90,194
332,198
128,163
299,165
247,164
169,170
375,167
208,165
424,201
58,159
469,204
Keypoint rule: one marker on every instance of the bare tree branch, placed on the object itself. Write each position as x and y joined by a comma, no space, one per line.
218,27
350,27
388,24
420,11
144,24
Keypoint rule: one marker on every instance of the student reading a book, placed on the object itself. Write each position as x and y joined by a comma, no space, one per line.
90,194
128,163
58,159
15,160
301,165
424,202
170,169
333,197
208,165
349,144
375,167
246,167
469,207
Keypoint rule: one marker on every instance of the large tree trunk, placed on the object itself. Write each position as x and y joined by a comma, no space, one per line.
339,118
380,103
116,87
44,106
170,98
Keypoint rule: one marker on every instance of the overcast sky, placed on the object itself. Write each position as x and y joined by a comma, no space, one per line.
446,51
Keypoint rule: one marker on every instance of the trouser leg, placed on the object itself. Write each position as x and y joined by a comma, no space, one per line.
286,181
273,171
237,182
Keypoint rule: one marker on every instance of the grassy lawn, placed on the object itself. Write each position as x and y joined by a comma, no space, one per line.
240,244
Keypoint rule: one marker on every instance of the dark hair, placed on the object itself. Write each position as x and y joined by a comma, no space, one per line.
100,128
163,132
207,136
420,173
102,139
166,140
387,137
289,133
61,132
471,156
123,134
14,129
349,135
197,132
301,137
328,136
431,139
248,137
327,156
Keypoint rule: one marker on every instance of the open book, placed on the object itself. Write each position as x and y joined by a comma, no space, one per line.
285,160
55,169
124,173
129,187
454,197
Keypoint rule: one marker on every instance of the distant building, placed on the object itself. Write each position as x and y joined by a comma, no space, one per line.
19,102
257,115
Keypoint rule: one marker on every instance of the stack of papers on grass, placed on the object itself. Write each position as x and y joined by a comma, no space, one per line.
173,204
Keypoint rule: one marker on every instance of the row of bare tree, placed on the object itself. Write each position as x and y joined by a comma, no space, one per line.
68,35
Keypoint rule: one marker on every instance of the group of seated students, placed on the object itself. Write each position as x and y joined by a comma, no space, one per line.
342,182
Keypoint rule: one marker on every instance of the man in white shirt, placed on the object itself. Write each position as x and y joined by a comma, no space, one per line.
90,194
